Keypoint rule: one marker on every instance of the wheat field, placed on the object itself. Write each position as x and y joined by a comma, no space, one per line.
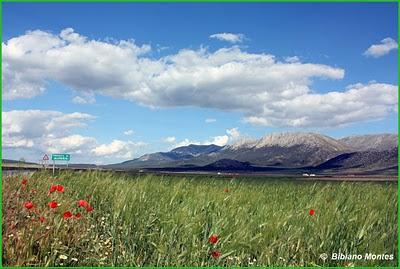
109,219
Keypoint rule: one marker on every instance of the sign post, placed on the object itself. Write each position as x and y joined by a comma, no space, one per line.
60,157
45,160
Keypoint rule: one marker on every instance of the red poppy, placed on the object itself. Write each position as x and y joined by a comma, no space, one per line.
53,188
216,254
82,203
60,188
67,214
89,209
42,219
226,190
78,215
213,239
53,204
312,212
24,182
28,205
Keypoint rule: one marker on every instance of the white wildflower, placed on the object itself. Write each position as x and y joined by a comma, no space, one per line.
63,257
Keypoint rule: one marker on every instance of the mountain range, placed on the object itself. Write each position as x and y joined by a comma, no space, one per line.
280,151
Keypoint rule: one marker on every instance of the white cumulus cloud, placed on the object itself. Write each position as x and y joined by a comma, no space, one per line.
74,144
170,139
129,132
84,98
185,142
231,135
220,140
35,132
229,37
358,103
377,50
33,124
265,91
117,148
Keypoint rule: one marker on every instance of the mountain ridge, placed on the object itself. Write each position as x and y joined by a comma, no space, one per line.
282,150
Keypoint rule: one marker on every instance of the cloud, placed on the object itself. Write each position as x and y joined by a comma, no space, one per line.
187,142
388,44
30,125
85,65
232,135
18,142
209,120
229,37
257,121
160,48
216,140
41,131
221,140
170,139
36,132
84,98
293,59
117,148
129,132
358,103
75,144
265,91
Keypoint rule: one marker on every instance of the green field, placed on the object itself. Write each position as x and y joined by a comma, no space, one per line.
151,220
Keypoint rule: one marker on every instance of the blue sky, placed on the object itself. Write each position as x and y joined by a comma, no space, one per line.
326,38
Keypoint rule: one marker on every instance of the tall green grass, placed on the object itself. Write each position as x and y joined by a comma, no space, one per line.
151,220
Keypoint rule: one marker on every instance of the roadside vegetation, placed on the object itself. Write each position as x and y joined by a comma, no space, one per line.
109,219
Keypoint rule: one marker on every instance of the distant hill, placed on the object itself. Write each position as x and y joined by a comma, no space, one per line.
227,164
195,150
286,150
72,165
280,150
170,158
224,165
15,161
379,142
364,160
